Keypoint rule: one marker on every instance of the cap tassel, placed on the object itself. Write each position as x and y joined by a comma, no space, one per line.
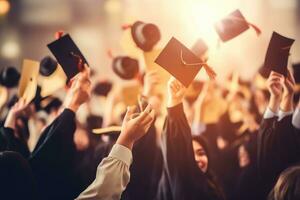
210,72
126,26
257,30
58,34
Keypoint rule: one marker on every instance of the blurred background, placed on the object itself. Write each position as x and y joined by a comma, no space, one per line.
26,27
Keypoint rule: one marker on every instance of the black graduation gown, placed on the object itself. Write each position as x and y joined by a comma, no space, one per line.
8,142
146,168
181,178
278,149
52,160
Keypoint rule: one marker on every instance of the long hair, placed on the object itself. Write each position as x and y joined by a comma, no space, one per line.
288,185
212,181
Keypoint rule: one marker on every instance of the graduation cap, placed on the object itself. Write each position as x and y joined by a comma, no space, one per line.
233,25
125,67
199,48
3,96
296,70
28,80
145,35
94,121
52,76
277,55
108,130
68,55
182,63
102,88
9,77
50,103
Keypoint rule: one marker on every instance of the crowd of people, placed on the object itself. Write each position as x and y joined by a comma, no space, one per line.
237,140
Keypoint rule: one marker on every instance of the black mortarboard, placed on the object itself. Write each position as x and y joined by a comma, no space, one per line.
296,70
68,55
179,61
9,77
125,67
233,25
102,88
50,103
145,35
47,66
277,54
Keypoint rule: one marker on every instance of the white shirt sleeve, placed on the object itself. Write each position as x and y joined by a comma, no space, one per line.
112,176
296,119
269,114
282,114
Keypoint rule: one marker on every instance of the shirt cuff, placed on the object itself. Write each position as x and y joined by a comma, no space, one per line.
296,119
121,153
198,128
269,114
282,114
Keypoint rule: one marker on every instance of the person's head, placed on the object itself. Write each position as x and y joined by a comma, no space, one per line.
200,153
243,155
288,185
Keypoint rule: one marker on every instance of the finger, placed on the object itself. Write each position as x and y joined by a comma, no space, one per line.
129,112
273,73
173,89
144,114
291,77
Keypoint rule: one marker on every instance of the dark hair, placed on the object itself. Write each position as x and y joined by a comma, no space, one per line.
288,185
214,187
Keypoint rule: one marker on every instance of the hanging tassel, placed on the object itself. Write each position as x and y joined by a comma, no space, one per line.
257,30
210,72
58,34
126,26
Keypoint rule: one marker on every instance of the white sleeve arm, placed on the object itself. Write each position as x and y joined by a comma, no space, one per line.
296,119
269,114
112,176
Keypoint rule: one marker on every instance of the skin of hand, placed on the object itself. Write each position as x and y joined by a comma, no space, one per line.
176,92
135,125
14,113
286,104
274,85
80,91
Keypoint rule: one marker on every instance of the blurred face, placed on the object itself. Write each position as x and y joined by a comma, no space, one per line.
200,156
243,155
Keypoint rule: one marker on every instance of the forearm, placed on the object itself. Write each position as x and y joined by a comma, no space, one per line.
112,176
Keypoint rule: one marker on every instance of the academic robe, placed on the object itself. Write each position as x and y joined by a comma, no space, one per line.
181,178
278,149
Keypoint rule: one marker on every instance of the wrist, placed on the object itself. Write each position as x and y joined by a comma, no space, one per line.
173,102
287,104
274,104
125,142
72,107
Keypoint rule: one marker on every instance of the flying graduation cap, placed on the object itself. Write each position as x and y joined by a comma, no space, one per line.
52,76
233,25
28,81
277,55
68,55
181,62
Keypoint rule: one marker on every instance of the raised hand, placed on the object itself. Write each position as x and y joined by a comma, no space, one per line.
286,104
14,113
135,125
274,84
80,90
176,92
